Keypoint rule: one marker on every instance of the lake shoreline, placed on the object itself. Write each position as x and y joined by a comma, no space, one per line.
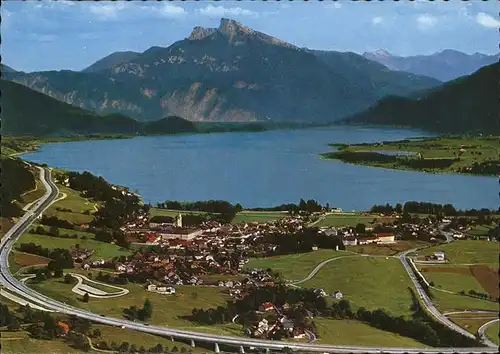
262,170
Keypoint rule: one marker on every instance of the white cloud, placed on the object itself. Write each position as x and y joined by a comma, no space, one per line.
425,22
111,11
221,11
106,11
486,20
377,20
172,11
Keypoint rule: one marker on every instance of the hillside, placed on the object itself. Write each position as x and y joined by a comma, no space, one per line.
445,66
16,178
232,74
371,73
28,112
467,104
110,61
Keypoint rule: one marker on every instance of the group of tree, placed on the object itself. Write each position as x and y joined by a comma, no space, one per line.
60,257
118,205
491,168
56,222
108,235
52,231
475,293
143,314
429,208
299,241
226,210
310,206
16,179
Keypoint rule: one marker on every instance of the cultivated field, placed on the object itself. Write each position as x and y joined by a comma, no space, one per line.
349,332
488,278
338,220
258,216
386,250
453,279
367,281
294,266
468,252
102,249
455,302
26,259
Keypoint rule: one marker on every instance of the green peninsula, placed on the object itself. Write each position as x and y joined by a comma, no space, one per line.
467,155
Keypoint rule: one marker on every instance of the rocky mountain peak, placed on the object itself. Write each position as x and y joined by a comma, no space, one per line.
382,53
201,32
231,28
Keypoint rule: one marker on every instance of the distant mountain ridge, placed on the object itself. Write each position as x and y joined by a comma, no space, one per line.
28,112
230,74
111,60
445,65
467,104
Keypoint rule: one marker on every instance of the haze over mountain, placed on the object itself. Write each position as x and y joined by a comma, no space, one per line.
466,104
229,73
445,65
27,112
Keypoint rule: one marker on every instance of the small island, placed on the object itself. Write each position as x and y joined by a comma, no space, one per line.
467,155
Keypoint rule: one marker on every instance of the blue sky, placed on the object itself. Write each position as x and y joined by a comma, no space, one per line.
55,35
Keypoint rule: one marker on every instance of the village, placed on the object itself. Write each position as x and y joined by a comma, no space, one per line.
215,254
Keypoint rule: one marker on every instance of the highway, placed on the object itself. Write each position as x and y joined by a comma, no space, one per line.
14,286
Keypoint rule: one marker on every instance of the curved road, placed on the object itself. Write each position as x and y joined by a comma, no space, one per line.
483,336
15,286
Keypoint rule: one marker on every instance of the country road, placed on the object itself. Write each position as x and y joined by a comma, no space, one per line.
21,290
482,335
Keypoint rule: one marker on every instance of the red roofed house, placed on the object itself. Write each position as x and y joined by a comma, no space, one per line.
266,307
385,238
64,328
152,238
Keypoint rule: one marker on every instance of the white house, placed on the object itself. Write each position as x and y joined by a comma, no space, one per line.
338,295
440,256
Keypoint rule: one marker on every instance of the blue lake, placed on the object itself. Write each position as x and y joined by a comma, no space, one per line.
264,169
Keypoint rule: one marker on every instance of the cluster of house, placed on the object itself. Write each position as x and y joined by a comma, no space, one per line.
161,289
322,293
80,254
265,328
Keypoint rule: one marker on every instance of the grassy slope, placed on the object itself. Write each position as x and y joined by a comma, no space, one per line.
492,333
258,216
454,282
119,335
102,249
348,332
369,282
386,250
166,308
468,251
77,204
20,342
294,266
450,302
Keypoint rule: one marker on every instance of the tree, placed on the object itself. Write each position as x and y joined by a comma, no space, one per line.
86,297
175,349
147,309
96,333
360,228
399,208
58,272
14,325
68,279
124,347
